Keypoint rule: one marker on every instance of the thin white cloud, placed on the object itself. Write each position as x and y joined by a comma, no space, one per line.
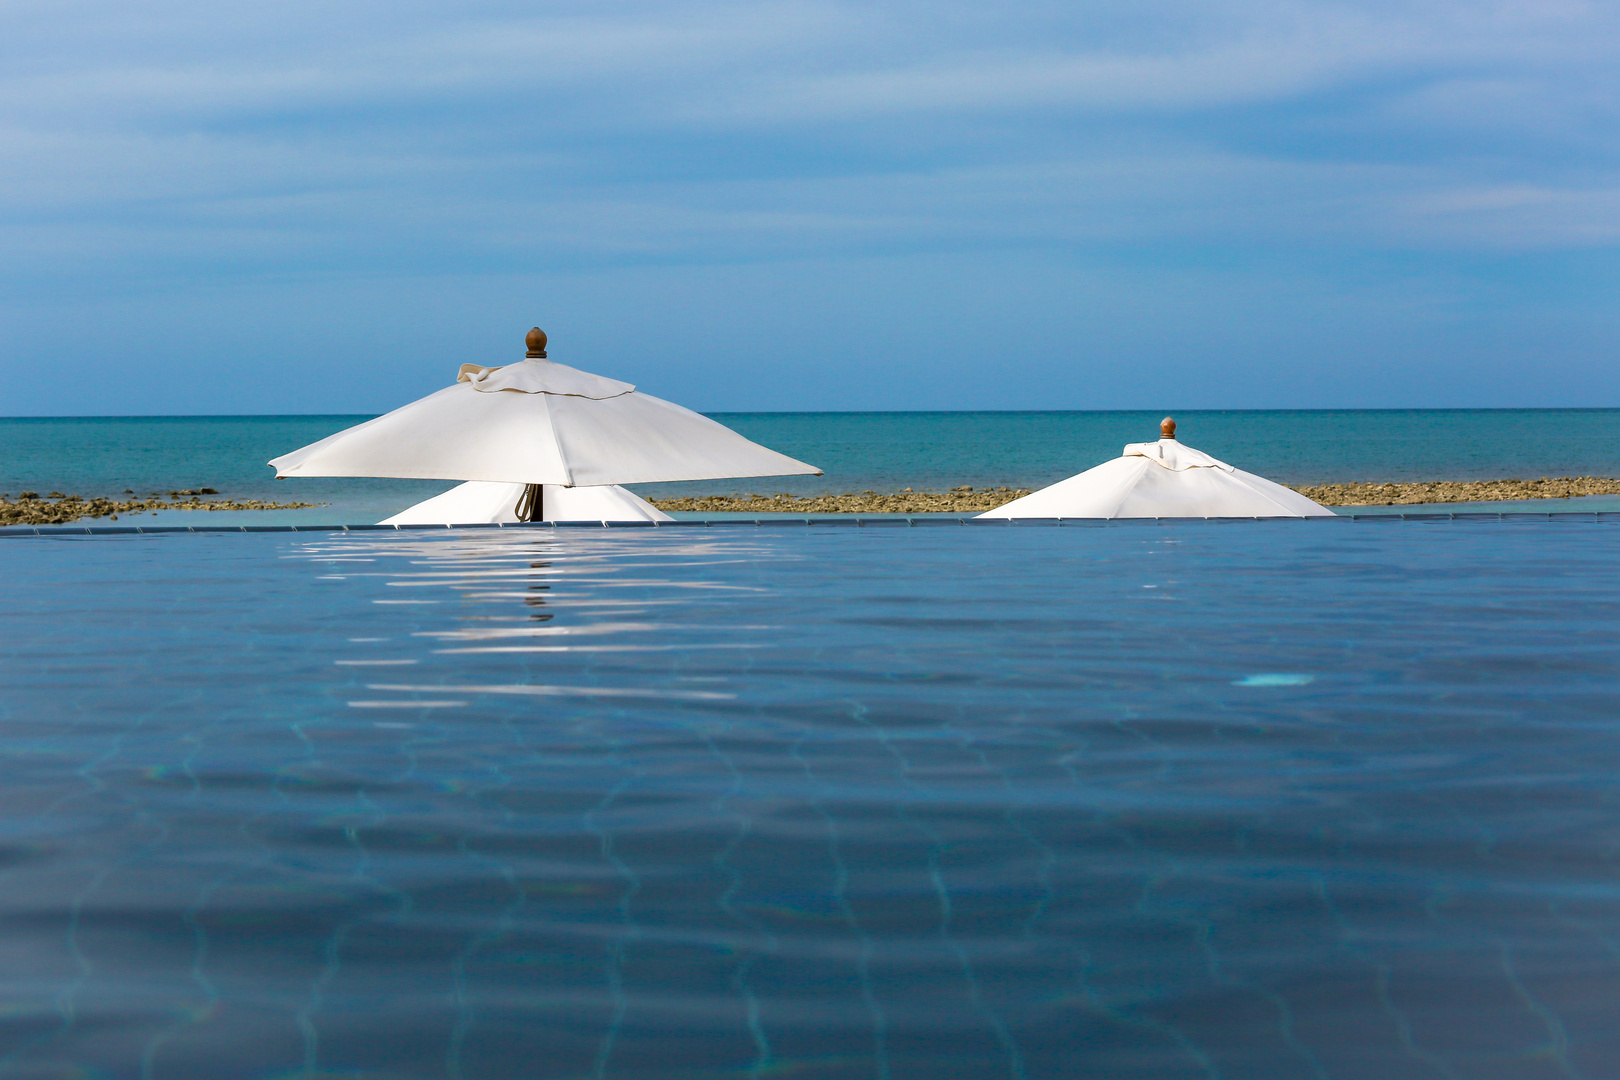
303,135
408,65
804,61
1516,216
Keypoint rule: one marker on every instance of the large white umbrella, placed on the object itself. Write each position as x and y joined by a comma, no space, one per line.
539,422
480,501
1162,479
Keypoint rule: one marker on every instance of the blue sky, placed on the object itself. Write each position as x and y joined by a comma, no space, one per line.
327,207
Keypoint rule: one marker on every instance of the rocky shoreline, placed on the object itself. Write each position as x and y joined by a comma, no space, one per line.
955,501
1449,491
31,508
962,500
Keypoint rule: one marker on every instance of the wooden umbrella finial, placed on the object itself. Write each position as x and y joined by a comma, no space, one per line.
1167,427
537,344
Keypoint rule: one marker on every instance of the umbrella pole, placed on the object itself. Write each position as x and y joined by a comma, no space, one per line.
531,505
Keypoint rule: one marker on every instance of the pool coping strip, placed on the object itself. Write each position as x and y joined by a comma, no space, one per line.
852,521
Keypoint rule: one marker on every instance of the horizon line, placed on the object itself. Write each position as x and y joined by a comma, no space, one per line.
887,412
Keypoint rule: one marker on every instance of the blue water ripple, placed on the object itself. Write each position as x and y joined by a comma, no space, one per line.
885,804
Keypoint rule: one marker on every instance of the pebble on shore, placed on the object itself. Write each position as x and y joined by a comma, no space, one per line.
59,509
957,500
961,500
1449,491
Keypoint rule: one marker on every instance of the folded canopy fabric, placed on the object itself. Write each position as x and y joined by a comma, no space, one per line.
539,422
1162,479
478,502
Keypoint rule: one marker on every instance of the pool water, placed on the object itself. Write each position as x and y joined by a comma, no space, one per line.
1152,800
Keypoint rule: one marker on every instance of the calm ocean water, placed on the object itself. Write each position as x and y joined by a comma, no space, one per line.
858,451
1330,799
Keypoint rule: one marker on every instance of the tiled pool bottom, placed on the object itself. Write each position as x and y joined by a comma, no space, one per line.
1245,801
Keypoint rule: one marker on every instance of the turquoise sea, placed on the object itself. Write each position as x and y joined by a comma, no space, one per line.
858,451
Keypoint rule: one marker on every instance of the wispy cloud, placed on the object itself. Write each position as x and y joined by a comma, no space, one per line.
182,142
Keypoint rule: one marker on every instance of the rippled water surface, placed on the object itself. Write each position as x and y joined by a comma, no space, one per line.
1255,800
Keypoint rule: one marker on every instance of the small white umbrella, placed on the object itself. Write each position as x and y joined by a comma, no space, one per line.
481,501
538,422
1158,480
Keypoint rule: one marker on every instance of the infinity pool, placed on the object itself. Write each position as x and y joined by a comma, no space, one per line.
1249,800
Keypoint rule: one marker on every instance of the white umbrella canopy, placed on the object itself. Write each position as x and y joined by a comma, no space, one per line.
539,422
480,502
1159,480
